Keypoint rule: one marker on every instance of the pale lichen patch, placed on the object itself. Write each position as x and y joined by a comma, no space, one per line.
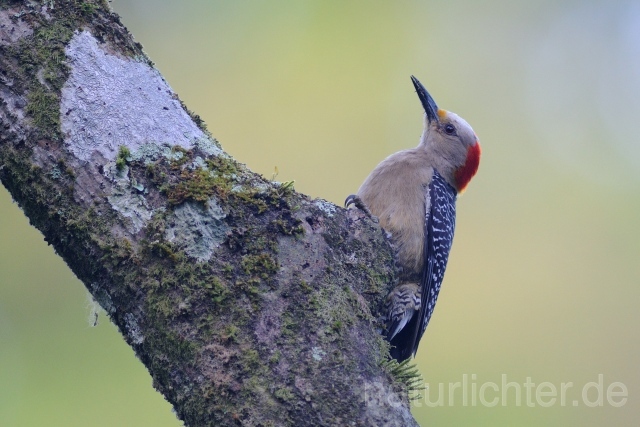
198,230
209,146
327,207
198,163
133,329
258,187
125,198
317,353
109,101
148,152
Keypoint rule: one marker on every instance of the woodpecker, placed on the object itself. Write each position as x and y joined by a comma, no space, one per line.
413,194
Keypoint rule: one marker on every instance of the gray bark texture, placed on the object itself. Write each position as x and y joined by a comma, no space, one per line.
249,303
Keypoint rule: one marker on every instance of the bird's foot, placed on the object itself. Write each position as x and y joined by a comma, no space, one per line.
354,199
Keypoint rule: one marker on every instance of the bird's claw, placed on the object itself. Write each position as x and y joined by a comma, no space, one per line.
354,199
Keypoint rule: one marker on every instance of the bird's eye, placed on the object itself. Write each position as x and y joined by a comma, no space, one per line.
449,129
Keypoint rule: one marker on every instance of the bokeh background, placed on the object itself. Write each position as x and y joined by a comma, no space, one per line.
543,279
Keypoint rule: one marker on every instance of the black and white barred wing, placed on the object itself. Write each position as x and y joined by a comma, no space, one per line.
440,223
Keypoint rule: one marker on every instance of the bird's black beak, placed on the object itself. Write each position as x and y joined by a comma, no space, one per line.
428,103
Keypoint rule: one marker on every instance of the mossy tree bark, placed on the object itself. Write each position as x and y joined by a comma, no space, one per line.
249,303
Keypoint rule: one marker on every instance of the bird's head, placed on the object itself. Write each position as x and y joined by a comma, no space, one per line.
450,142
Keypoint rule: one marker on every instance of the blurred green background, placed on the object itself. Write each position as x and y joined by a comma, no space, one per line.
543,280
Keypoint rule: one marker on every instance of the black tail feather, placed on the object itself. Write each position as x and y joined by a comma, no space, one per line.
403,345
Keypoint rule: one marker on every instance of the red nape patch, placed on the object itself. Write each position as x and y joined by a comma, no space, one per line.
464,174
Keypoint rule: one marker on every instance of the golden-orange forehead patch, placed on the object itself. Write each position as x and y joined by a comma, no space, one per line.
442,113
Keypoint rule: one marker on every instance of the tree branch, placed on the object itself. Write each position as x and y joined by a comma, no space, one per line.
249,303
